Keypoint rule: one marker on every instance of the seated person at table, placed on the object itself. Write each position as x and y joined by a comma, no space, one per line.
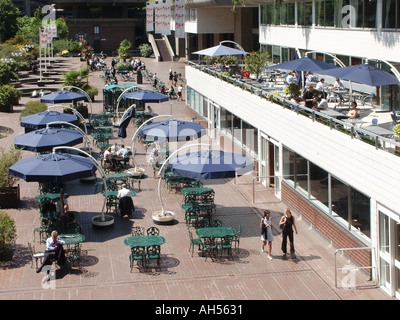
308,97
107,158
62,204
54,251
149,111
322,87
126,206
353,112
114,148
123,153
338,85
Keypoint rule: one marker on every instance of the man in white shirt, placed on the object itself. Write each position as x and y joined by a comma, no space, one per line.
290,78
126,205
123,153
321,87
124,192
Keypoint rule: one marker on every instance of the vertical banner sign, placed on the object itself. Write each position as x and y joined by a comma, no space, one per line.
150,16
179,18
163,17
43,38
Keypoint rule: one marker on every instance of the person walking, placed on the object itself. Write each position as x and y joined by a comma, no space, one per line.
179,93
287,224
266,232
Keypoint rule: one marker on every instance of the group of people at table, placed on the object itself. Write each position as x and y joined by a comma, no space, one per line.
316,98
116,156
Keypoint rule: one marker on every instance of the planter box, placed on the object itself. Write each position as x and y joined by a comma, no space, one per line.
9,108
9,198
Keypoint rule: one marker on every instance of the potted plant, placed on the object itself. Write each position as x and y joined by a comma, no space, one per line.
292,90
9,192
396,132
83,110
8,235
9,97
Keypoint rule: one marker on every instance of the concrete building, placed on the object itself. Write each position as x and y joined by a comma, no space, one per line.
346,188
104,24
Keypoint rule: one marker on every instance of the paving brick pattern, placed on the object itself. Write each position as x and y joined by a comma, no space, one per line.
104,271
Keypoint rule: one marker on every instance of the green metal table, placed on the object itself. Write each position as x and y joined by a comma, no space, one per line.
72,238
195,191
216,232
144,241
54,197
115,193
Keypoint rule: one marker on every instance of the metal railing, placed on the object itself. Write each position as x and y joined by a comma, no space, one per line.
375,276
380,142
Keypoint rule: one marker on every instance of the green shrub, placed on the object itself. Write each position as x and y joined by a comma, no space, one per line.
7,159
146,50
8,233
9,96
123,66
33,107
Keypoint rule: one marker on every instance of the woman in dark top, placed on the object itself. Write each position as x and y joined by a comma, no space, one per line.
287,224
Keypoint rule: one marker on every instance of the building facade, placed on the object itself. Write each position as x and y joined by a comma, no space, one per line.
104,24
345,188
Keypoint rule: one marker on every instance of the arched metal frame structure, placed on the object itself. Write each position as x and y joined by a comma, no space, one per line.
160,172
76,112
233,42
84,135
98,167
142,125
336,59
392,67
86,95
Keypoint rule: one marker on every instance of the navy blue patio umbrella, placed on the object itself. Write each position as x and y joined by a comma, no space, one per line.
211,164
45,139
63,96
172,130
53,168
304,64
145,96
41,119
130,114
364,74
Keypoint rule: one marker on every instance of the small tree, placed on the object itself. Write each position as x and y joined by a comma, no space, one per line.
8,233
124,49
33,107
7,159
256,61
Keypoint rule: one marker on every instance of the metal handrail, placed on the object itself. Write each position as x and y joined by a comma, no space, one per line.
366,267
260,177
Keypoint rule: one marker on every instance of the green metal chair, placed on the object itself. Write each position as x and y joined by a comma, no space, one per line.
236,237
137,254
35,255
194,242
225,245
153,253
137,231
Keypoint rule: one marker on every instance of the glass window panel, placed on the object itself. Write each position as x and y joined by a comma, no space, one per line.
291,14
270,14
263,14
319,184
397,242
361,212
300,13
384,233
301,173
340,200
288,165
329,13
283,14
320,13
308,13
370,13
389,14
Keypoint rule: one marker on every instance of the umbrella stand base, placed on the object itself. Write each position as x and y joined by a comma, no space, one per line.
167,218
98,222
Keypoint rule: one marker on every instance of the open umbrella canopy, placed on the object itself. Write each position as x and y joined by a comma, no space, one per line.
45,139
365,74
39,120
304,64
210,164
220,50
63,96
145,96
172,130
120,87
53,167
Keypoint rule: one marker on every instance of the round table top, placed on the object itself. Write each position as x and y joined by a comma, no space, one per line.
216,232
72,238
115,193
196,190
144,241
50,196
